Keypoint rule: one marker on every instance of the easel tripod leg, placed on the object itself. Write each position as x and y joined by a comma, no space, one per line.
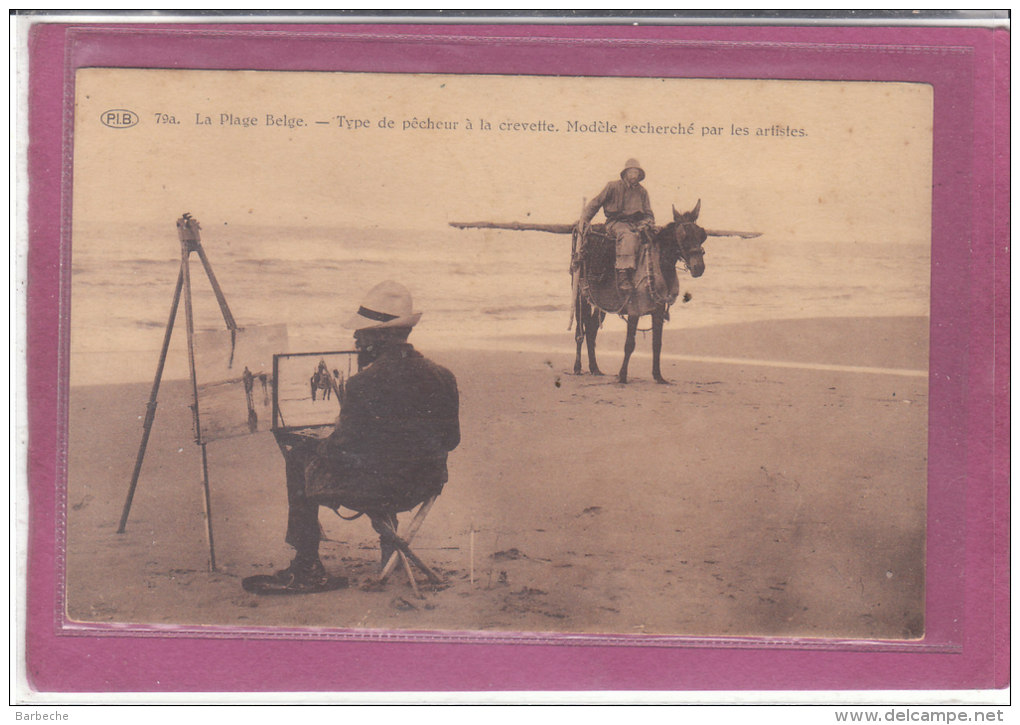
190,322
150,412
207,503
227,317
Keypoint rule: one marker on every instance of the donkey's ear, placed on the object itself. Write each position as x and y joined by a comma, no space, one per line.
696,211
676,214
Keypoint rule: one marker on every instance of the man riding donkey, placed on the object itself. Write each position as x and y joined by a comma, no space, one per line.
399,417
629,217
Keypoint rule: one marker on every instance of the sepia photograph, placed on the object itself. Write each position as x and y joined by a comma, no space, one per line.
622,359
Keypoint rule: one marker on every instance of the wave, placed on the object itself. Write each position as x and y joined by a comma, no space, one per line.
84,262
514,309
466,283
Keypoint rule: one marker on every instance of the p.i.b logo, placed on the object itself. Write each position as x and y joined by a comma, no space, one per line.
119,118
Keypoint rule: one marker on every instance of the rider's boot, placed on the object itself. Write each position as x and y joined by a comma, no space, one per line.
625,281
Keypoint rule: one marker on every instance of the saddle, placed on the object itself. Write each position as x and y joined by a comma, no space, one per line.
595,270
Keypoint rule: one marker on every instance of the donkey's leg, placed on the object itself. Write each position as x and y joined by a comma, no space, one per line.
595,318
580,328
579,338
658,317
628,346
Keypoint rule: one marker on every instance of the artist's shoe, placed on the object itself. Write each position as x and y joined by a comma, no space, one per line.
298,578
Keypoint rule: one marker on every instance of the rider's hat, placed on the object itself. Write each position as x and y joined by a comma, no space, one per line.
633,164
388,304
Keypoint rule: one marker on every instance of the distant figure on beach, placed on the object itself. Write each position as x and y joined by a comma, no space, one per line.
628,216
321,380
399,419
249,384
264,379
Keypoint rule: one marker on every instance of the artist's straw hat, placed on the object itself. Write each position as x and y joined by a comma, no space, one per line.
388,304
633,164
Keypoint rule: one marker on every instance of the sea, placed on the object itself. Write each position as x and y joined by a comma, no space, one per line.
486,289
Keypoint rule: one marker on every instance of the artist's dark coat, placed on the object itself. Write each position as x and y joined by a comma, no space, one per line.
399,418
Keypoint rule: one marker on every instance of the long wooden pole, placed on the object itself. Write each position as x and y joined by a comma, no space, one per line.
569,228
517,226
721,233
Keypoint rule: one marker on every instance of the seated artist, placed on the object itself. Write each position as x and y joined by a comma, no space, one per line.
399,418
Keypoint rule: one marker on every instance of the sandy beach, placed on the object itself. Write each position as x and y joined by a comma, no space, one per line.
782,496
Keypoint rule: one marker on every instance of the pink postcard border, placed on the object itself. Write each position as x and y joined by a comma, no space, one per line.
968,566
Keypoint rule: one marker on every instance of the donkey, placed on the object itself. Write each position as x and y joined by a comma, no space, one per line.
321,380
656,285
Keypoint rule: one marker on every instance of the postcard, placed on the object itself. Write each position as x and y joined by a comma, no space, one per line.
746,497
406,352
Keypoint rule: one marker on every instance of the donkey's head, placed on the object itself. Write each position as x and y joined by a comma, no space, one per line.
690,239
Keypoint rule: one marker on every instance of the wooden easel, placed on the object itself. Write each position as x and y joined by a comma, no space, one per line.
188,232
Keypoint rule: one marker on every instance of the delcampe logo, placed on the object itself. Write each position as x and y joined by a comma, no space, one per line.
119,118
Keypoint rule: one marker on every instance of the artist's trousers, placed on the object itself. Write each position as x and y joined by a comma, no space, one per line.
313,481
628,239
302,515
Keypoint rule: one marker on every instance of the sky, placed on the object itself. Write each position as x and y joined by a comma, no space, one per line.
861,170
